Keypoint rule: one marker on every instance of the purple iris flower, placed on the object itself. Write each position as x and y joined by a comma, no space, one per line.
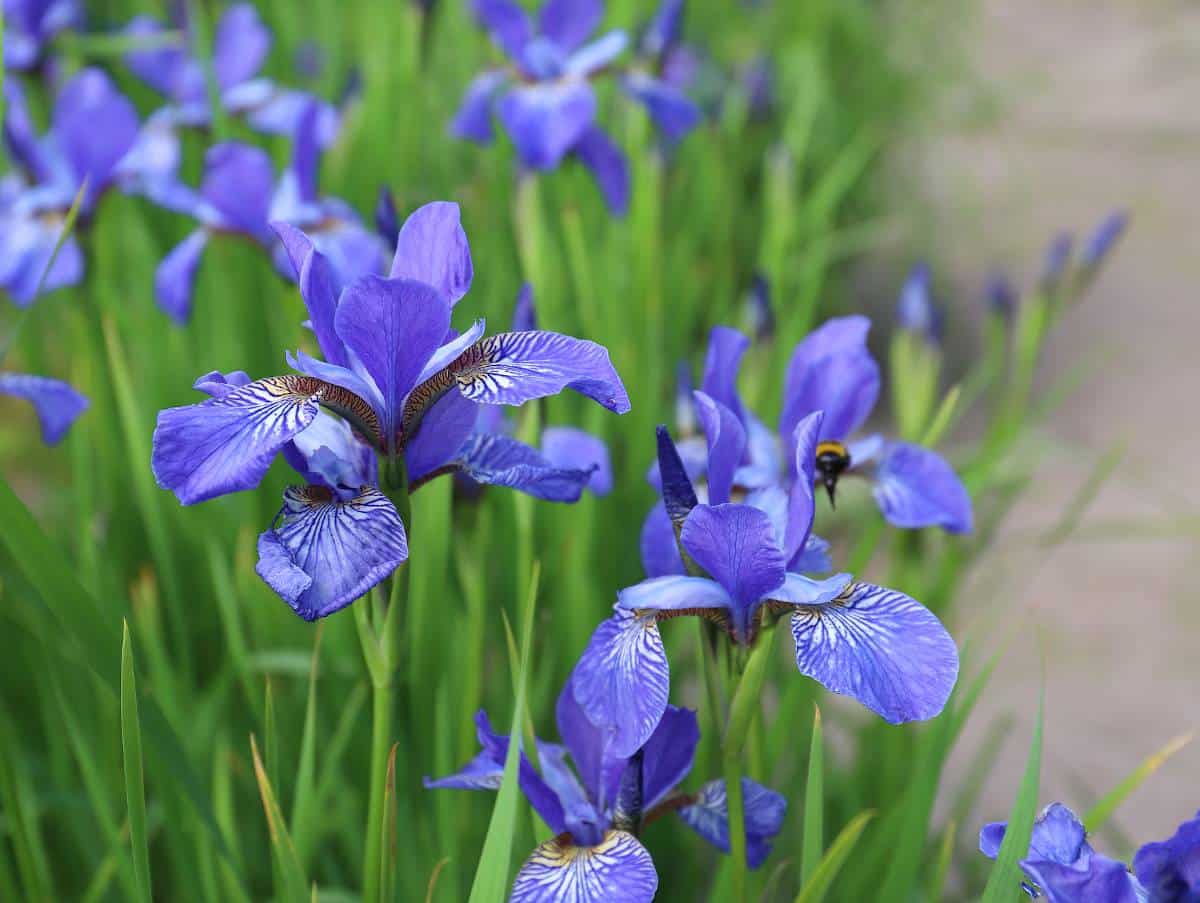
239,195
1169,870
1101,241
544,97
872,643
241,43
406,388
831,370
30,25
596,856
1057,258
1061,865
1000,294
915,309
57,404
94,134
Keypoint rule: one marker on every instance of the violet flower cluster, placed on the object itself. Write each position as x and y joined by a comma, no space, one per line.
1062,867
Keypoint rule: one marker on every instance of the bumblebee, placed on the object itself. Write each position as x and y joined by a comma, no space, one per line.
833,459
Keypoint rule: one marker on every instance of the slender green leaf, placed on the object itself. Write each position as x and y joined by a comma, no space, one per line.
941,865
1103,810
942,418
814,890
131,751
491,875
294,885
1005,878
813,841
304,798
387,858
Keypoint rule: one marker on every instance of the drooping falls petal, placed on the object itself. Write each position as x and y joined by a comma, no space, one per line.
617,870
546,120
326,552
673,112
57,404
449,422
432,248
622,680
473,121
498,460
1171,866
175,277
608,166
660,550
227,444
916,487
572,449
881,647
1103,879
394,326
763,810
515,367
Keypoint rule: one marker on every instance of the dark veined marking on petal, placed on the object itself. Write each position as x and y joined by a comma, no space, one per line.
458,373
341,401
671,804
717,616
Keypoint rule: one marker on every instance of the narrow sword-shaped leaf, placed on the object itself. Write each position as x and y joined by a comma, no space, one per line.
294,885
813,839
1103,810
835,857
131,755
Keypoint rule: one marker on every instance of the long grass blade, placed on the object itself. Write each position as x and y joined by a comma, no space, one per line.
131,752
1100,813
813,840
294,885
816,887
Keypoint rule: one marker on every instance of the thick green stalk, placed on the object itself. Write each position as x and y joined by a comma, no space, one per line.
737,821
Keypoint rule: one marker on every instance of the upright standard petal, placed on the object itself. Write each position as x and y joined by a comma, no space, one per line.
831,371
95,125
660,550
473,119
394,326
622,681
726,445
240,45
801,505
506,22
668,755
568,23
568,448
736,545
608,166
545,120
498,460
317,287
590,748
881,647
617,870
227,444
524,311
915,487
671,111
238,182
56,404
432,248
175,277
516,367
721,364
326,552
763,810
1170,869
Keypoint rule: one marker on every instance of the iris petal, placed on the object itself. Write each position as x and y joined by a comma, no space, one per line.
722,361
432,248
763,811
240,45
608,166
568,448
473,120
507,23
668,755
317,287
596,55
497,460
672,111
881,647
327,552
227,444
442,432
660,551
175,277
569,22
801,507
546,120
617,870
57,404
915,487
726,445
621,681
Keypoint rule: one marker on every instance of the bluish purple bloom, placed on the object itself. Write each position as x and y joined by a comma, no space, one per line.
94,135
915,310
876,644
597,810
1101,241
1000,294
1058,257
1169,870
241,43
544,97
1061,865
30,25
406,388
239,195
759,316
57,404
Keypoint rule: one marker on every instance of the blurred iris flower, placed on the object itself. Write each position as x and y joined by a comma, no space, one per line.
544,97
57,404
94,136
406,388
915,309
1169,870
596,856
1061,865
872,643
30,26
240,46
239,195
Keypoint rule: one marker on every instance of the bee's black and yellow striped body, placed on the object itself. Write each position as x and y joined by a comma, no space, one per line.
833,459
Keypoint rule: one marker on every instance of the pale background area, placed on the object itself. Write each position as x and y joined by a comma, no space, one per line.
1090,106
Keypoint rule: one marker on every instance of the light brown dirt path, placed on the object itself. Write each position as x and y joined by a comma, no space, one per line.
1098,107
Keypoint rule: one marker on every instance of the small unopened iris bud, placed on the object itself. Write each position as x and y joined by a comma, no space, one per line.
386,220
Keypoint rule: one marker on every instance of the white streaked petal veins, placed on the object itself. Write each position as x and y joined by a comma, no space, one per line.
227,444
622,679
881,647
617,870
327,552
